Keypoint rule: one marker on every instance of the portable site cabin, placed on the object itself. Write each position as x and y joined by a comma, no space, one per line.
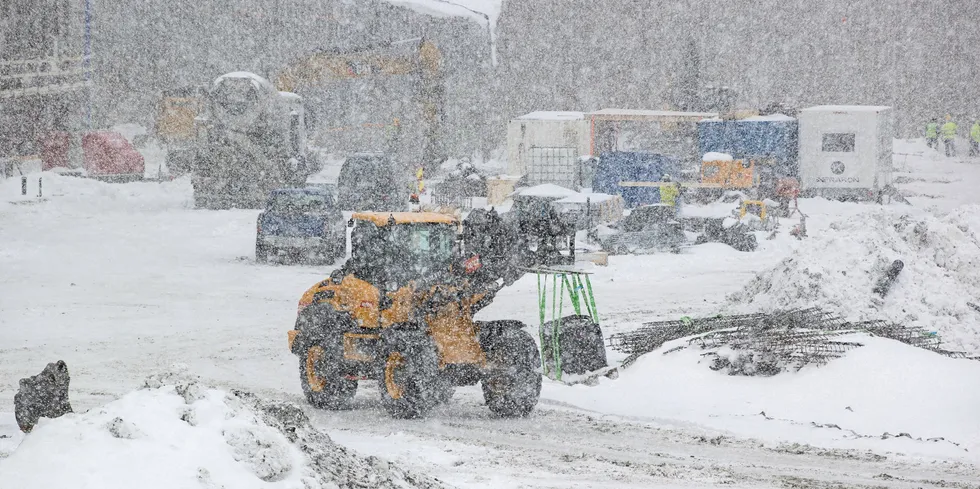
846,151
547,147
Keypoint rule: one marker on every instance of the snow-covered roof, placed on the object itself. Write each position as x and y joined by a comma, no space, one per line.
582,198
847,108
770,117
290,95
544,115
614,114
713,156
546,190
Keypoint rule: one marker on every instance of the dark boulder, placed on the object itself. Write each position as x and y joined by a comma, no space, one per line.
43,395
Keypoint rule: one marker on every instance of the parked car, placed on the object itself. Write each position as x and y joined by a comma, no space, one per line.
370,182
650,228
301,222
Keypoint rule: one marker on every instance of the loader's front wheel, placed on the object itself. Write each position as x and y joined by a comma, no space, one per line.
512,384
409,380
261,252
323,383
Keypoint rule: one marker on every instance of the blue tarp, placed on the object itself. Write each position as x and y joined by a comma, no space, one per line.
633,166
746,139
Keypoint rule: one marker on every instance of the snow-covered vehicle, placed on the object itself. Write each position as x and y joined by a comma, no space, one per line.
301,222
647,229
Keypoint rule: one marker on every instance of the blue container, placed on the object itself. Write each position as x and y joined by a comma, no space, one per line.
633,166
754,139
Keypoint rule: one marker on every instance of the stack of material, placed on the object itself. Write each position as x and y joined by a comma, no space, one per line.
770,342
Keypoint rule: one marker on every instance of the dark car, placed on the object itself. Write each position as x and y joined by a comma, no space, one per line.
301,222
647,229
371,182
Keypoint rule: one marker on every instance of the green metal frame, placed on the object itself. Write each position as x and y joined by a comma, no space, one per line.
579,288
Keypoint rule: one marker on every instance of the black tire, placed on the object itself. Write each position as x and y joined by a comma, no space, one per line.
512,383
261,252
445,388
409,380
321,355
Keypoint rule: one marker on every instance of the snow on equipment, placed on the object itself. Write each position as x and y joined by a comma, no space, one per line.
251,139
400,311
44,395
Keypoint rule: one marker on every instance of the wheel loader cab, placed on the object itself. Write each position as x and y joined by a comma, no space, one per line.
400,312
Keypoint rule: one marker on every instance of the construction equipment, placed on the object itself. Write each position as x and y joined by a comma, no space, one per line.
411,138
174,127
400,311
251,140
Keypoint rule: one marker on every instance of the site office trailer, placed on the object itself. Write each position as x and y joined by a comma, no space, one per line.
846,151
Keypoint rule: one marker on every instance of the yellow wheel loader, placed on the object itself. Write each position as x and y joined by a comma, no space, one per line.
400,312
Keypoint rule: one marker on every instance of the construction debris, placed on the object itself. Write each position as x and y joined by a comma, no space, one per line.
886,281
44,395
769,343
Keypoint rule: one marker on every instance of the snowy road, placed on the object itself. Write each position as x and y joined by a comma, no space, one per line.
122,281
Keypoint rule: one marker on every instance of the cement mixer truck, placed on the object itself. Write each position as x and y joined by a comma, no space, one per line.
251,138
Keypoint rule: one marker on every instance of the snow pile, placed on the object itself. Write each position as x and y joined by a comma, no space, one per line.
714,156
839,268
177,433
87,194
883,396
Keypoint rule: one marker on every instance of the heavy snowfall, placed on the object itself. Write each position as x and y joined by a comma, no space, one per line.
486,244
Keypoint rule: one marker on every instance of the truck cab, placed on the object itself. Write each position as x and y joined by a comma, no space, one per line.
301,222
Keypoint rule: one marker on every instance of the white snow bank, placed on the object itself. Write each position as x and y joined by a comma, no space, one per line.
838,269
713,156
851,403
184,435
81,193
547,190
769,118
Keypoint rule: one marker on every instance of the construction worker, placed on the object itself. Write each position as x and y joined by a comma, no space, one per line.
949,136
932,134
975,138
669,192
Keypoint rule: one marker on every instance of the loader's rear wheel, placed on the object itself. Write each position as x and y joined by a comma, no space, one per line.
323,383
512,384
410,374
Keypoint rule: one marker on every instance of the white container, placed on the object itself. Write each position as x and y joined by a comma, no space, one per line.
547,147
846,150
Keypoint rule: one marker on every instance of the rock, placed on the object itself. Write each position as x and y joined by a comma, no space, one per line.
43,395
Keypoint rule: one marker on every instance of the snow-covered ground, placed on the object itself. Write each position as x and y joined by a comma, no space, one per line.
123,280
